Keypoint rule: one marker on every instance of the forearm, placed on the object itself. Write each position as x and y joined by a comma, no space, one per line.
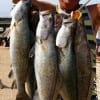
44,5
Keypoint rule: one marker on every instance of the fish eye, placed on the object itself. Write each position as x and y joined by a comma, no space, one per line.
27,4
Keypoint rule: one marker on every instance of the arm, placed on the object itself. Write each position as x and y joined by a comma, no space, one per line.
40,4
43,5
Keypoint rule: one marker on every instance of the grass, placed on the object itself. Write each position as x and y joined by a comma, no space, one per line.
91,37
87,23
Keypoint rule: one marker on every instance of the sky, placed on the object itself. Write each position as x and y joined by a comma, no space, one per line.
6,5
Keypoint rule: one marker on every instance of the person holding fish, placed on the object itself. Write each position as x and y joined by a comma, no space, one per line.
77,61
72,12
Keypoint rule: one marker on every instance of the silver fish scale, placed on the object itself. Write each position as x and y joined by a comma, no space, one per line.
46,59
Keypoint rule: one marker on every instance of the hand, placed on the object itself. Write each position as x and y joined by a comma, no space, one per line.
76,14
15,1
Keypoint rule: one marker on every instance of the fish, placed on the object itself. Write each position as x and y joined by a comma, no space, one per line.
83,61
20,47
10,75
67,82
45,60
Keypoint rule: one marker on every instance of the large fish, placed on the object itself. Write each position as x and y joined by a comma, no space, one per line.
45,56
83,62
67,61
20,46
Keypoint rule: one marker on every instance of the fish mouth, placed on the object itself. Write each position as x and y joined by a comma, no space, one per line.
44,13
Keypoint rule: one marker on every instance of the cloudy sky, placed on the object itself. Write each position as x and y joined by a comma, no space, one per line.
6,5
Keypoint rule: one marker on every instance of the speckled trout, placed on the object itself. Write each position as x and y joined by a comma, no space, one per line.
83,62
19,46
45,56
67,60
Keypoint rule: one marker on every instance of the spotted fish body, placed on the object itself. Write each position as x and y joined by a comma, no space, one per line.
83,62
45,56
19,47
67,61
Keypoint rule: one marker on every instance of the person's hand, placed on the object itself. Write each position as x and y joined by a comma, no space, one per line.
76,14
15,1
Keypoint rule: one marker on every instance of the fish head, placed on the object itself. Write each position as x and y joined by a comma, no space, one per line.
66,32
46,18
20,10
45,25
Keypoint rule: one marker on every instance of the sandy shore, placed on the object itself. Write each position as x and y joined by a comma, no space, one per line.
6,94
